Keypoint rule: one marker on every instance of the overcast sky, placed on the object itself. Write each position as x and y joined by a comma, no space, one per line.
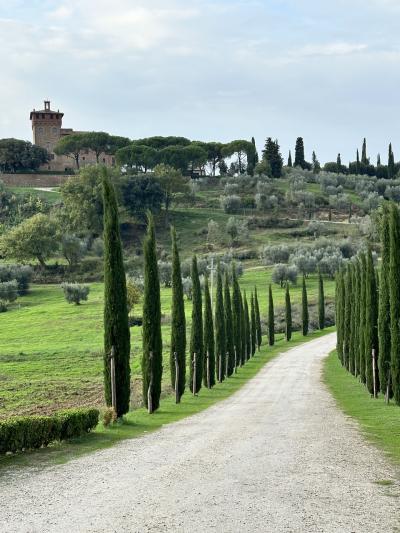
208,70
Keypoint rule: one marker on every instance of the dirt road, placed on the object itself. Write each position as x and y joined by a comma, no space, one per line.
278,456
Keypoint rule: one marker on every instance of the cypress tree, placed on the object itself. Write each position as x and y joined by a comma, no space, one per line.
243,331
208,342
253,326
350,289
290,162
363,317
394,281
255,159
196,334
304,309
378,160
364,158
321,302
384,309
230,348
358,162
116,325
288,314
368,322
338,314
151,330
299,159
391,167
220,339
248,327
237,318
258,319
271,318
355,315
339,163
178,323
272,155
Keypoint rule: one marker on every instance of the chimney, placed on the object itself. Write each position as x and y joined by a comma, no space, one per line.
47,105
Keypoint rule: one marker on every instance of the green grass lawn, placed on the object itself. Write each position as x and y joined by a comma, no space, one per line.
139,422
51,196
51,351
379,422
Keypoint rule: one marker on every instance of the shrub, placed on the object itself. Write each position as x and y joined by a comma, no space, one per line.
278,253
21,273
165,273
72,248
74,292
284,273
32,432
9,291
109,416
230,204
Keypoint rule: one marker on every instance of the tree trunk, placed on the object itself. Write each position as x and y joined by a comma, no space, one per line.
194,374
177,397
374,372
150,389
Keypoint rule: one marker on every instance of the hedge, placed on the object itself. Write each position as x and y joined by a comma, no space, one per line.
31,432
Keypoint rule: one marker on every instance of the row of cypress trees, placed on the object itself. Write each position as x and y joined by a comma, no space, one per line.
288,311
219,342
368,317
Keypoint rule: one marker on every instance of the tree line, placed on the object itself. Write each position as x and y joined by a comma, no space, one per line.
368,313
222,338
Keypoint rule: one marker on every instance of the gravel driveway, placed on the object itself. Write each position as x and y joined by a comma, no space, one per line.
277,456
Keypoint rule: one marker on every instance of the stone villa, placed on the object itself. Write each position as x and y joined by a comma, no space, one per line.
47,131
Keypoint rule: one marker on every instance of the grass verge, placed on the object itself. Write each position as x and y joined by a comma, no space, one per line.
379,422
138,422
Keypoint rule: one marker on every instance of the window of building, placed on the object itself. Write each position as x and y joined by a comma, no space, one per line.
43,115
54,130
84,158
37,115
104,159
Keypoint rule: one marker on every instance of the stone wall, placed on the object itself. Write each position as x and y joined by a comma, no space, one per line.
33,180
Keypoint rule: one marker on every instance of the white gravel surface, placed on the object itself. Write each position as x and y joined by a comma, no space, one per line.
277,456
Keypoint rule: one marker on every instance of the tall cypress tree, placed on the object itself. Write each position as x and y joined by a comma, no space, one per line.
271,318
304,309
339,313
237,317
351,330
378,160
364,158
196,335
248,327
299,159
272,155
321,302
152,340
178,323
384,308
116,325
230,347
363,317
368,321
220,338
253,325
258,319
339,163
355,314
208,342
243,331
290,162
358,162
394,281
288,314
391,167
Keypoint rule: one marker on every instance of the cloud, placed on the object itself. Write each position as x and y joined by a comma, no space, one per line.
329,49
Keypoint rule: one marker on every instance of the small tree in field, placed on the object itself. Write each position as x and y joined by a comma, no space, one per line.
75,293
133,294
288,313
271,318
304,309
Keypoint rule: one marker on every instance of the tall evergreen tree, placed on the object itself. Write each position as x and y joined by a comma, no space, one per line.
178,324
196,336
339,163
116,325
378,160
356,313
255,158
248,327
151,329
208,341
288,314
358,162
272,155
258,319
299,159
339,314
350,324
363,317
370,326
384,308
243,331
237,317
253,326
391,167
316,167
321,302
271,318
304,308
394,281
230,346
364,157
220,338
290,162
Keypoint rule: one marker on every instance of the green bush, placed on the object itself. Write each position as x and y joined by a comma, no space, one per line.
75,293
32,432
